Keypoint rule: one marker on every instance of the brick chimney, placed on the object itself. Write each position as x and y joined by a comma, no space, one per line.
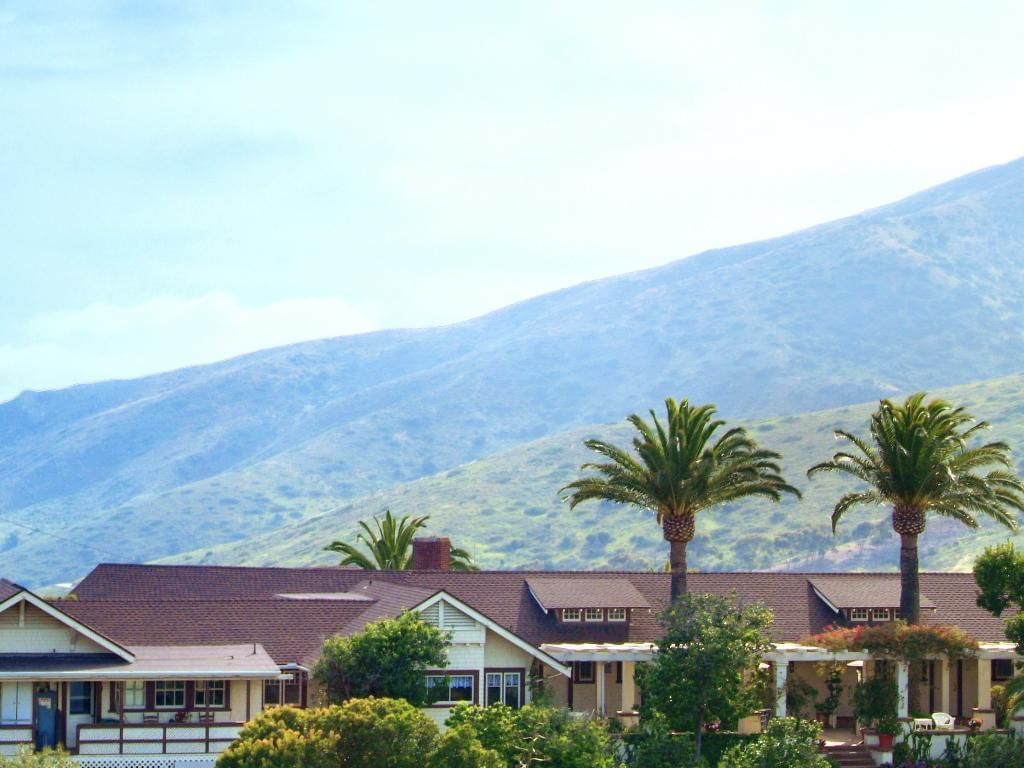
431,554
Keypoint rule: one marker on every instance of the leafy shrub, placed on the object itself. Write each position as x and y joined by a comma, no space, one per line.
47,758
994,750
537,734
460,748
361,733
786,743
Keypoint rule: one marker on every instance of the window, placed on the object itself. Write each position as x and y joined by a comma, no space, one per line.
593,614
271,692
616,614
858,614
80,699
880,614
504,688
135,694
209,693
1002,670
446,689
570,614
583,671
169,694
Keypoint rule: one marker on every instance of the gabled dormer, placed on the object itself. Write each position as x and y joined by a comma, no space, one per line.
867,599
573,601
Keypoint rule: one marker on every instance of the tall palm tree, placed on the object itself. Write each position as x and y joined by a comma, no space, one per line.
675,471
918,461
390,546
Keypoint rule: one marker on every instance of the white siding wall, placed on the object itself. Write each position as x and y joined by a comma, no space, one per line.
36,632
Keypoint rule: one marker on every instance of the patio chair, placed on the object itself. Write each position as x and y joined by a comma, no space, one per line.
943,721
150,717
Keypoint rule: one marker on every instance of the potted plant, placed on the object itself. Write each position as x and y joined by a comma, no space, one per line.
887,726
834,686
875,702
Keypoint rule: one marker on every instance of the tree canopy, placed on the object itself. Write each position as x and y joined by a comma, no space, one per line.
999,572
388,658
677,469
920,459
705,664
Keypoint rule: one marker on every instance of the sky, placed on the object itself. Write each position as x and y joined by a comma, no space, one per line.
187,181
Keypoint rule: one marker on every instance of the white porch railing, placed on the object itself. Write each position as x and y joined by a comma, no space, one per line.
13,737
145,761
155,738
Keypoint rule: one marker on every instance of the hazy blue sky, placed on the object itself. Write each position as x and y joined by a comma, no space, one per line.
183,181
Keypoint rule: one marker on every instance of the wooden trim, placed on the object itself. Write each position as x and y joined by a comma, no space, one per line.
248,699
150,696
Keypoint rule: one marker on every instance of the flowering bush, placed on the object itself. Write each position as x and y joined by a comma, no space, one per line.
898,640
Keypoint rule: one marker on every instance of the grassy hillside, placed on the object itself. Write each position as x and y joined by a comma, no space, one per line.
916,295
506,509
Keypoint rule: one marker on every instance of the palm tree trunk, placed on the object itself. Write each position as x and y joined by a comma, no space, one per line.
677,561
910,583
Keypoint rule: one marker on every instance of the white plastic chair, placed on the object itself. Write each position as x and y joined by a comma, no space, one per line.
943,721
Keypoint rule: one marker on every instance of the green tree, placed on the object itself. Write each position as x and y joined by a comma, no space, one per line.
675,471
388,658
389,547
361,733
786,743
46,758
999,572
919,461
459,747
704,669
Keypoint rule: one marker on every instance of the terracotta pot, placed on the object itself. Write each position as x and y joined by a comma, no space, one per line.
885,740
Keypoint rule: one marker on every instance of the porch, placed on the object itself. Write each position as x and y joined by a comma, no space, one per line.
603,677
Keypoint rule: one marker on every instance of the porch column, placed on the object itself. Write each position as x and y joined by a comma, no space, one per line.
628,686
781,675
903,686
984,684
599,674
944,690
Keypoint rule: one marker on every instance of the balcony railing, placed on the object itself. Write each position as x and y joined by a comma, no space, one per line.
155,738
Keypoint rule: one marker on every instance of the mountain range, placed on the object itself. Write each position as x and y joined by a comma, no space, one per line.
924,293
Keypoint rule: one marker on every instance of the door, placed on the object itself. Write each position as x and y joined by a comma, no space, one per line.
46,719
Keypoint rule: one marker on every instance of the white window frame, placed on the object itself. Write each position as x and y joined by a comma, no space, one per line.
502,686
880,614
616,614
169,687
451,678
860,614
134,694
213,688
572,614
593,614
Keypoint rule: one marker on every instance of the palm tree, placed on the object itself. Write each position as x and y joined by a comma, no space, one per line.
675,471
390,546
918,461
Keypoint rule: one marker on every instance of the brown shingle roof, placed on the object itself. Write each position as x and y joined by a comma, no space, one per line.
867,590
554,592
8,589
503,596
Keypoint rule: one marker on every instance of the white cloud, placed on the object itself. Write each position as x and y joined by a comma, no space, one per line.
103,341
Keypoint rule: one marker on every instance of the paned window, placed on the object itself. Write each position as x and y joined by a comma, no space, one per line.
858,614
452,688
209,693
571,614
880,614
285,691
271,692
594,614
169,694
135,694
584,671
80,698
504,688
616,614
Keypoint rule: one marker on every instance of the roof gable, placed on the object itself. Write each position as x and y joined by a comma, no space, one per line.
552,593
862,591
20,600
